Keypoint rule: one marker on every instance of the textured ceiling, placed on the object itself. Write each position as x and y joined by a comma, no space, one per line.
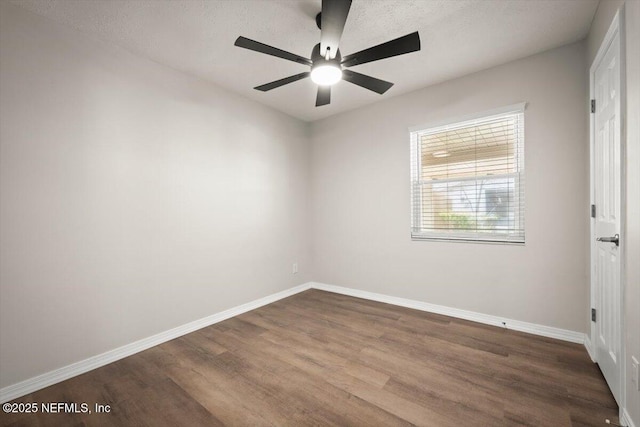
197,36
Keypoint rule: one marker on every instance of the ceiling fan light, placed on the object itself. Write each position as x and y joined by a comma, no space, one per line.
326,74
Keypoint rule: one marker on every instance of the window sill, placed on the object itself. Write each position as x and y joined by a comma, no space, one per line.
468,240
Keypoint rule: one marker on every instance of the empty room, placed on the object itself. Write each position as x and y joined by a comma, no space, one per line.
320,212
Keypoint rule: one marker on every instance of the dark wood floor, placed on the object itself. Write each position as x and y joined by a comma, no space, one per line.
319,358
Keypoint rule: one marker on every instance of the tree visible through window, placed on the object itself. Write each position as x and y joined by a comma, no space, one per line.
467,179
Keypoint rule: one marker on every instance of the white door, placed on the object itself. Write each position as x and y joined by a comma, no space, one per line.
606,163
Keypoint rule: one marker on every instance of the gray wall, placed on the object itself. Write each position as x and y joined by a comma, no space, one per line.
134,198
360,197
631,282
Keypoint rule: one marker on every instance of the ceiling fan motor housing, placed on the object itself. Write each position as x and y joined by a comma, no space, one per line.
319,58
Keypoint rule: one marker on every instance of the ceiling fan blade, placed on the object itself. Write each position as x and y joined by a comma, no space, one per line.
399,46
367,82
334,16
268,86
324,96
270,50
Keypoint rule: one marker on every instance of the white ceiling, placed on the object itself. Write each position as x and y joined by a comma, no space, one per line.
196,36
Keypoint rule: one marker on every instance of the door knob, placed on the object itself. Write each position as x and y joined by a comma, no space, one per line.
615,239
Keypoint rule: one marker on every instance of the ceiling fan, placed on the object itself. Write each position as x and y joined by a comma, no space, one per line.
328,66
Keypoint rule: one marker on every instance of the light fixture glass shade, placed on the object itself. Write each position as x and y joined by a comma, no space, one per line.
326,74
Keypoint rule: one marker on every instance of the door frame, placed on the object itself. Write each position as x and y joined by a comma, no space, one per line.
616,28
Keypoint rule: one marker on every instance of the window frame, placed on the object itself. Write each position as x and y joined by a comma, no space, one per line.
416,202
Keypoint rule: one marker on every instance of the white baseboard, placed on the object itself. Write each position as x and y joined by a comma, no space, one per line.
517,325
625,419
589,347
49,378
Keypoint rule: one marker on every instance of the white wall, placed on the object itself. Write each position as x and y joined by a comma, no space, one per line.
632,282
632,285
361,211
133,198
601,22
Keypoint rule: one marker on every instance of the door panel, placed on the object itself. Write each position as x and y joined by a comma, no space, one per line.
607,223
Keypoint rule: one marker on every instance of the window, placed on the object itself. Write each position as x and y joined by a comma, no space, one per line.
467,179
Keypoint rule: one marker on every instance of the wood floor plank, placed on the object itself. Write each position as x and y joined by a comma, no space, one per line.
310,374
319,358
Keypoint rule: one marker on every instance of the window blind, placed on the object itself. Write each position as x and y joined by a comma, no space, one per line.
467,179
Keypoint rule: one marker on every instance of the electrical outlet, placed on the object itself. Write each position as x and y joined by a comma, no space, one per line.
294,269
635,374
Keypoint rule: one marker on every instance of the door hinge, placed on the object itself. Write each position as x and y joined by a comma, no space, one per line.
593,211
593,314
593,105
